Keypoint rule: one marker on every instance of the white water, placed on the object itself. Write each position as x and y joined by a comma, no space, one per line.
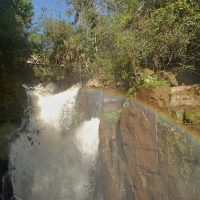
61,167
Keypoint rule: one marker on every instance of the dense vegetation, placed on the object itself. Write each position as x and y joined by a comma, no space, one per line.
107,40
15,19
117,40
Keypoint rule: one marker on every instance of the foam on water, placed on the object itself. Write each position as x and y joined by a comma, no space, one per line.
62,166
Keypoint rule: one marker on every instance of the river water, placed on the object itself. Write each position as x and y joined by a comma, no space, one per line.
53,159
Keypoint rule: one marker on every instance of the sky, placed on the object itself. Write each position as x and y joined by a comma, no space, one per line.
52,4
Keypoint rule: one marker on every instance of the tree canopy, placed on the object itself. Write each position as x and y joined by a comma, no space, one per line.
113,39
107,39
15,19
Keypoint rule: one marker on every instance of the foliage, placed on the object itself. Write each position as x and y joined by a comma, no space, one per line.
108,39
117,39
192,116
152,80
5,128
112,117
15,18
125,105
172,32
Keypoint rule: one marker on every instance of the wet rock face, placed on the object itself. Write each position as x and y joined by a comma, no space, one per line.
89,104
144,156
6,187
3,170
4,149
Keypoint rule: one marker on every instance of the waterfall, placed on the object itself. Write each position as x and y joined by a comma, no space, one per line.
52,159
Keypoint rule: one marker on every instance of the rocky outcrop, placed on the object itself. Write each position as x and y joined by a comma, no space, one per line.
169,77
182,103
185,105
187,95
158,96
144,156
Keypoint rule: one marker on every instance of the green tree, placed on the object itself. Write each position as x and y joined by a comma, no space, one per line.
172,35
15,18
113,39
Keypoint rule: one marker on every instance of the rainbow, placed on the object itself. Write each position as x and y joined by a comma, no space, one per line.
191,135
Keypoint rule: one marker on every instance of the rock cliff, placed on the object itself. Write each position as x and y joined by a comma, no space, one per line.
144,156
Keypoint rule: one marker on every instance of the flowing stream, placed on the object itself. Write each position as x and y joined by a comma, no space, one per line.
52,159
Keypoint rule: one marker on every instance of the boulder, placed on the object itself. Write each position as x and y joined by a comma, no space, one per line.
94,83
169,77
